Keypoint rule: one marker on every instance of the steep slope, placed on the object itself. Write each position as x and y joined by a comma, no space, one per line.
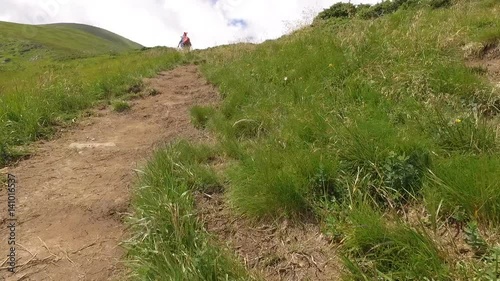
382,123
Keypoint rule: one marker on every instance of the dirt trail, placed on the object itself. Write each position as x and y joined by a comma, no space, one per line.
71,195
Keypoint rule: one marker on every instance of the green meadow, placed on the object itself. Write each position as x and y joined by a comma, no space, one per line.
369,121
46,82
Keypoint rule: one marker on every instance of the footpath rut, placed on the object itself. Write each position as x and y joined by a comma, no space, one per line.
72,194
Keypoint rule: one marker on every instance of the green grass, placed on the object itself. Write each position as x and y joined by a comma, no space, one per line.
169,242
365,110
120,106
45,94
276,181
200,116
380,111
24,42
118,41
383,250
469,185
324,89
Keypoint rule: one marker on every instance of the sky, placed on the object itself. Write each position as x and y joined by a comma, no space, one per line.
161,22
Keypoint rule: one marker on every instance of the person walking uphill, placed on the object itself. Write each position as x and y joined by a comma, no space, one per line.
185,42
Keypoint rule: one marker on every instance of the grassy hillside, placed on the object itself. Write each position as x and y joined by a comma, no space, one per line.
59,41
381,122
50,74
119,41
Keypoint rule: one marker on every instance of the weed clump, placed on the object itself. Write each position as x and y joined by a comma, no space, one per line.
471,184
379,249
463,134
200,115
282,182
168,242
120,106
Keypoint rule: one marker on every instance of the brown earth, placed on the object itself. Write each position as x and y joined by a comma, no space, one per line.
72,194
489,60
488,63
280,250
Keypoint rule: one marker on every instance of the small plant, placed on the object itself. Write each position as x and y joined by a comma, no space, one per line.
403,174
152,92
490,256
200,115
136,88
475,240
491,272
120,106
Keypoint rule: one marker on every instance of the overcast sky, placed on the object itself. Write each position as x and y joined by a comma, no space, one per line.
161,22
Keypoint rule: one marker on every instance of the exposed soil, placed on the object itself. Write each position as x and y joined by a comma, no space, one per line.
490,62
73,192
277,251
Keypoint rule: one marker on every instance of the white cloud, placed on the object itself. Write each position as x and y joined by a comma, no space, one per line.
161,22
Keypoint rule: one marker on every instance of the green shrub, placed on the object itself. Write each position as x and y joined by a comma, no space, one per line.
385,7
435,4
338,10
380,9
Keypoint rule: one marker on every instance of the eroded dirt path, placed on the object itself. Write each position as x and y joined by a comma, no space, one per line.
72,194
276,251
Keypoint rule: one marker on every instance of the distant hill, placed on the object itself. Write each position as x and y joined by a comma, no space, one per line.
62,40
118,40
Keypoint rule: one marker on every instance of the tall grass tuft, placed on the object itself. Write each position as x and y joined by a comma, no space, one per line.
467,184
467,135
379,249
281,182
168,242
